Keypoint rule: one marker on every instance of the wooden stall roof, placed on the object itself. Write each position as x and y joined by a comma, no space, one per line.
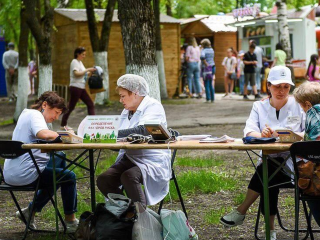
80,15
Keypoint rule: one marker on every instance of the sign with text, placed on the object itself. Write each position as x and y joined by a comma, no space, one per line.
247,11
100,129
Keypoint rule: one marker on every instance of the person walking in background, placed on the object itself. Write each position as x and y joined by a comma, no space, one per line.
32,70
193,71
209,68
250,62
280,56
313,74
10,62
78,76
229,63
240,72
259,53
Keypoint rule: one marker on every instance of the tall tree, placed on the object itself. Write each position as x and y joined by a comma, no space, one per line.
23,76
138,36
168,8
283,27
100,45
41,30
159,52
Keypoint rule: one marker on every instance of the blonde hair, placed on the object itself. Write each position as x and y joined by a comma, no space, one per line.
205,43
308,91
192,42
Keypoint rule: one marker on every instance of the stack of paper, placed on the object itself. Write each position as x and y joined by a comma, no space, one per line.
192,137
223,139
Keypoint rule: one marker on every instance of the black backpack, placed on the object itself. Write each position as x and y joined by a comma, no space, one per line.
103,225
95,81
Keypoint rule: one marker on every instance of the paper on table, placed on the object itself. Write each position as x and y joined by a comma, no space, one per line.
192,137
223,139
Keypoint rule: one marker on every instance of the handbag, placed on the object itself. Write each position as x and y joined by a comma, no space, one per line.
148,226
95,81
309,177
176,226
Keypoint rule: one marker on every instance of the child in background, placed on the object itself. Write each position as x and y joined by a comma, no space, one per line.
265,77
313,72
240,72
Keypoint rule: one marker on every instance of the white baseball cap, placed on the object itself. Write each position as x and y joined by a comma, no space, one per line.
280,74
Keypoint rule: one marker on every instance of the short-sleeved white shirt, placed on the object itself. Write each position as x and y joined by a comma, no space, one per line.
291,116
21,170
78,82
230,63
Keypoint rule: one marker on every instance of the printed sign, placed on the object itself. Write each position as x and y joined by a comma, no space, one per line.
254,31
99,129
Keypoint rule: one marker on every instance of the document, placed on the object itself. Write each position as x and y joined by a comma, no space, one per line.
192,137
223,139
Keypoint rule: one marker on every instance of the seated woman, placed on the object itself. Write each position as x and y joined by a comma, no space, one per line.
32,125
308,96
149,167
277,112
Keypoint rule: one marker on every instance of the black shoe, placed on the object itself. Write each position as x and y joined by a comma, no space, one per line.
258,96
245,97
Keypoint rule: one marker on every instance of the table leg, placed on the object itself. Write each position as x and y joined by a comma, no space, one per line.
92,181
55,193
266,195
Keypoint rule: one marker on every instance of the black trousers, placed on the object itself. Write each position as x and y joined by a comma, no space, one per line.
125,173
256,185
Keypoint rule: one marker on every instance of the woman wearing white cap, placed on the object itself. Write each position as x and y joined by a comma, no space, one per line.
279,111
149,167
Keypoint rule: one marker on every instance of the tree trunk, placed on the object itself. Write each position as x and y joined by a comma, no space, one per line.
159,52
138,36
41,31
168,8
23,76
101,59
283,27
100,45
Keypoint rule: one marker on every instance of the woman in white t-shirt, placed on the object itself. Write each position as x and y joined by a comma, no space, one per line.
229,63
31,126
78,76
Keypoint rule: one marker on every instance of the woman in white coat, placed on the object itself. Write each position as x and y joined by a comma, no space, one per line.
279,111
135,167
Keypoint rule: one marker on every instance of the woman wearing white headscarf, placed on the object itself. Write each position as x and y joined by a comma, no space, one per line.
144,166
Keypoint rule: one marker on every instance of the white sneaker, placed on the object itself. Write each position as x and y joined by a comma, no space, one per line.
232,219
26,214
273,235
72,226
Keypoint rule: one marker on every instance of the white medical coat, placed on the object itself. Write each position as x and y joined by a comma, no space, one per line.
291,116
154,164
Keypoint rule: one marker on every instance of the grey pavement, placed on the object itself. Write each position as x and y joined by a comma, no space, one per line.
193,115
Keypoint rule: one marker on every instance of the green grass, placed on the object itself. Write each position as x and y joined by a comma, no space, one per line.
6,122
198,162
213,216
238,199
202,181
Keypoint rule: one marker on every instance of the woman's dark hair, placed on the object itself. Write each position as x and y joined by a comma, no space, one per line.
279,46
52,99
313,60
268,91
78,51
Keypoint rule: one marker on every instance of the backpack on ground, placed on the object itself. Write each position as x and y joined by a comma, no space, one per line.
112,220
